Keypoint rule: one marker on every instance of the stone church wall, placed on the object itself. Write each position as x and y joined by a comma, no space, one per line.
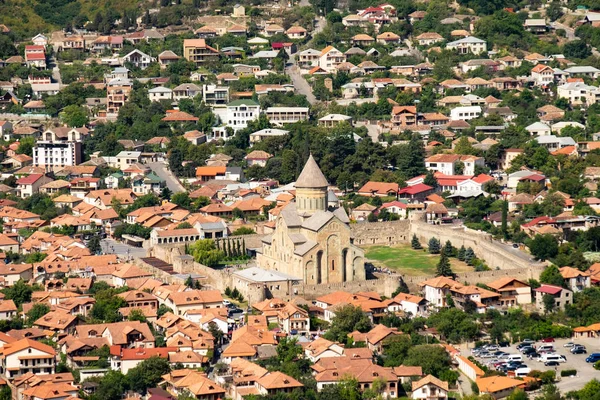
381,233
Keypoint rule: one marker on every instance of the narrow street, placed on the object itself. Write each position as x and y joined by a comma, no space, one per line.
162,171
300,84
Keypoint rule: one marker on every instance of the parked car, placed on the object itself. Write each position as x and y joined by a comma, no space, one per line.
569,344
592,358
526,349
551,363
504,344
578,350
548,340
531,341
533,356
491,347
487,355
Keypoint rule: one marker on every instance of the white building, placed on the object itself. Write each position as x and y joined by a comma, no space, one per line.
240,112
138,59
59,148
552,142
330,58
465,113
286,115
215,96
160,93
468,45
26,355
578,93
538,129
266,133
582,71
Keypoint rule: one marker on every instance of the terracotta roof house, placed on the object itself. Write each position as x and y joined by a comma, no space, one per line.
380,189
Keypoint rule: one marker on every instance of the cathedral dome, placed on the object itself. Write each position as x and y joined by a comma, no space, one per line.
311,176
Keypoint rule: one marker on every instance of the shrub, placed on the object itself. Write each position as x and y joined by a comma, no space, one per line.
474,388
568,372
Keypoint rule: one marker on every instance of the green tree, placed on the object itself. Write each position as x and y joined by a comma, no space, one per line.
434,246
543,247
111,386
430,180
396,349
443,266
551,276
433,359
504,218
74,116
137,315
548,301
182,199
6,393
461,253
26,146
36,312
469,256
93,245
415,244
148,373
347,319
205,252
448,249
20,293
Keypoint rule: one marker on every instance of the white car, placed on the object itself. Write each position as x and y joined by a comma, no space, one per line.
569,344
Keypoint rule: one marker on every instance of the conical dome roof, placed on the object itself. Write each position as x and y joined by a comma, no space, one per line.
311,176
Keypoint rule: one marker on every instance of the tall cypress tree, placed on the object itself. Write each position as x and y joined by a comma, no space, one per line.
505,218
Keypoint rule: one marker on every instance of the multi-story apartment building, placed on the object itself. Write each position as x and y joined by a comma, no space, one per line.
26,355
198,52
117,94
59,148
213,95
286,115
240,112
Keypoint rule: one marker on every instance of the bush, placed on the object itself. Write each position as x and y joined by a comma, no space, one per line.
474,388
597,365
568,372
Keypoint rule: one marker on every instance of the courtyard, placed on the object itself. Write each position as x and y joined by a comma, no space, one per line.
404,259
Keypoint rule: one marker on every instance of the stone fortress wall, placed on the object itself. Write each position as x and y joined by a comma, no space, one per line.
499,257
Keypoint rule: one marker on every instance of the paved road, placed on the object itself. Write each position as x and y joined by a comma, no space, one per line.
110,246
300,84
571,34
161,170
55,70
371,129
517,252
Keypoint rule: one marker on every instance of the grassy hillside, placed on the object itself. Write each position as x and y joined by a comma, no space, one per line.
26,18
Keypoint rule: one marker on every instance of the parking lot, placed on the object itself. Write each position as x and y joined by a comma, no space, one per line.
585,371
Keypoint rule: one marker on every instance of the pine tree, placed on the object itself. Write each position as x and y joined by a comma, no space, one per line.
469,256
443,267
237,248
434,246
228,291
448,249
461,253
228,252
415,244
235,293
243,248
